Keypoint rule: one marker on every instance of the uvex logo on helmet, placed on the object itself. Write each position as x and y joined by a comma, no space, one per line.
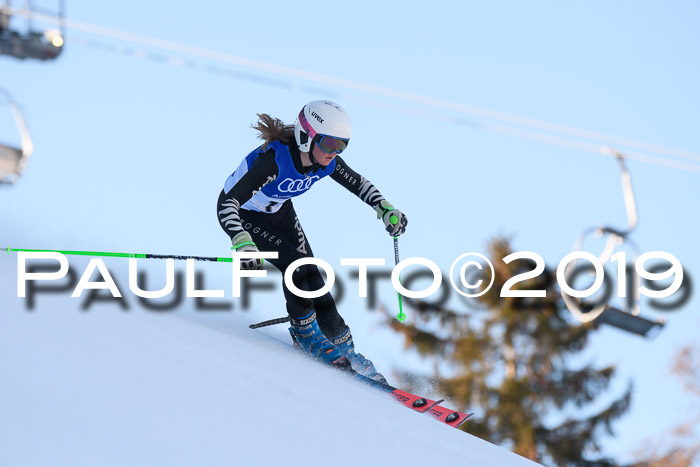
316,116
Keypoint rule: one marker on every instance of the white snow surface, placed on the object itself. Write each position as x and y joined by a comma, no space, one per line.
142,388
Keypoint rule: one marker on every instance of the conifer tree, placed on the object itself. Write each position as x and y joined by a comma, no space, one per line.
511,365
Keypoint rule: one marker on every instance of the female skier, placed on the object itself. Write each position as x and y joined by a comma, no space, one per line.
255,209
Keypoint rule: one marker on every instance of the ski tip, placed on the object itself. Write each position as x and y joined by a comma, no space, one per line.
462,422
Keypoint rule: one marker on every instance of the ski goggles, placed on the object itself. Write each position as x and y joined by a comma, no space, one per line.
327,144
331,144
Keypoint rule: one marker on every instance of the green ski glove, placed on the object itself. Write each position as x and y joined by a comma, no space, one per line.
394,220
243,243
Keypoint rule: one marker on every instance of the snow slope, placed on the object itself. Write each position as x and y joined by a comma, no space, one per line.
139,388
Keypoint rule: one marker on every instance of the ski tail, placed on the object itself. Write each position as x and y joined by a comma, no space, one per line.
270,322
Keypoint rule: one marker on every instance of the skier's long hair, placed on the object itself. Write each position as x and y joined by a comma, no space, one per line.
273,129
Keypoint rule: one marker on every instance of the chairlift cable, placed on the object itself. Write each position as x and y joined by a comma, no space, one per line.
441,104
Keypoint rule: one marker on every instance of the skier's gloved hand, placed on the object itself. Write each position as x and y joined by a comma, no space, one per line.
243,243
394,220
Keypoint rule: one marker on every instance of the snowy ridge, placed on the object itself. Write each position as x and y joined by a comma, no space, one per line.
139,388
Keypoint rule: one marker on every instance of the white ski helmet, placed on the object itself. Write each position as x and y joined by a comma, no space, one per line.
326,124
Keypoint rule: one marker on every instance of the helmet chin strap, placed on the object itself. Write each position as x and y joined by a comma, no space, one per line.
314,163
311,154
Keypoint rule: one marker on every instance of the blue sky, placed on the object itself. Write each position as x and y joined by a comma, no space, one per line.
133,146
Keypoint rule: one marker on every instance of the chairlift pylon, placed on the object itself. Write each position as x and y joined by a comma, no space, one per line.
14,159
46,44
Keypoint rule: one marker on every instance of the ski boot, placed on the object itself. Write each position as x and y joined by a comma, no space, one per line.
308,337
360,364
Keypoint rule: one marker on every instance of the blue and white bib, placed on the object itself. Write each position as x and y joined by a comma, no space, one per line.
288,183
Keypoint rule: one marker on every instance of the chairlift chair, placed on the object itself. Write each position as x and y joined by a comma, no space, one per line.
629,319
30,43
13,159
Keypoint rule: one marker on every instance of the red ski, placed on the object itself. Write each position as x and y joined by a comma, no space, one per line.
450,417
412,401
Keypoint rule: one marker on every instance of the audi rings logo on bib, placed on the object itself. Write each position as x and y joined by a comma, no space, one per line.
290,185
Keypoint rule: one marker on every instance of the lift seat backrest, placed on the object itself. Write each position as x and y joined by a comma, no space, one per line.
10,163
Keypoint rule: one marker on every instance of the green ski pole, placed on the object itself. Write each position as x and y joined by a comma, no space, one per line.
123,255
401,316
